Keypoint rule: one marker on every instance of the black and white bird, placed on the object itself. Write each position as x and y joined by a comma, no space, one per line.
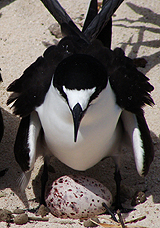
80,98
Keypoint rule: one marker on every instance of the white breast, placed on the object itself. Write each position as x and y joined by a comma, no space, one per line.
98,132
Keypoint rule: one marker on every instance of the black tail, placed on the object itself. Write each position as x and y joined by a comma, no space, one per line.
92,12
101,19
106,34
67,25
97,25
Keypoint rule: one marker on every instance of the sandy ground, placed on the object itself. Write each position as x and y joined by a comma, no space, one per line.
23,27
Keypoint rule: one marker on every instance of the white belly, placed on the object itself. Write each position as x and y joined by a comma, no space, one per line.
98,132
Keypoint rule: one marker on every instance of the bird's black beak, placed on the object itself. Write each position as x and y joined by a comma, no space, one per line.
77,113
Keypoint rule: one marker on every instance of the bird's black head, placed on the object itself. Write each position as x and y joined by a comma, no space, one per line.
79,78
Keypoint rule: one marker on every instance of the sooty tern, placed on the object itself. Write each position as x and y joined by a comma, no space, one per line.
80,98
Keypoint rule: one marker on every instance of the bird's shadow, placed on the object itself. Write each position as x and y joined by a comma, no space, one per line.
10,179
4,3
146,16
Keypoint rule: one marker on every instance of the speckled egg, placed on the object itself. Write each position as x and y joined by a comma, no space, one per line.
77,197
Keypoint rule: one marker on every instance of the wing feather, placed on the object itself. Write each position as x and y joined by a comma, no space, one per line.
30,89
26,141
132,88
138,131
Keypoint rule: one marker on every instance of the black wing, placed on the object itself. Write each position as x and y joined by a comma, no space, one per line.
30,89
136,128
132,88
25,147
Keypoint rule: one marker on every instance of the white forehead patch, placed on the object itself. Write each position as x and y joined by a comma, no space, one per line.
78,96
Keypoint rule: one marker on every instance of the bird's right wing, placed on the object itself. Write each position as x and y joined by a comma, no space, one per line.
25,147
26,141
29,91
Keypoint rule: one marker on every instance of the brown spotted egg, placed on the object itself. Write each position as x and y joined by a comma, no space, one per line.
77,197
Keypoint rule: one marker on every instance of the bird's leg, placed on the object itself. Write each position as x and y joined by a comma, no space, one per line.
44,179
117,178
118,205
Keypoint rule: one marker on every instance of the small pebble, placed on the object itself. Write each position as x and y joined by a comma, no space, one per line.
42,211
55,30
7,211
46,44
18,211
138,198
5,215
21,219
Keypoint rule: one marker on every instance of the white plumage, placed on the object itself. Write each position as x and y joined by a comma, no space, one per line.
98,133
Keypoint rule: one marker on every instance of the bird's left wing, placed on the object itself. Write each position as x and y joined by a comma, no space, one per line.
131,87
132,90
136,127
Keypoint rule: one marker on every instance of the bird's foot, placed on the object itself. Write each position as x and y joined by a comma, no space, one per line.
118,206
118,212
110,212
